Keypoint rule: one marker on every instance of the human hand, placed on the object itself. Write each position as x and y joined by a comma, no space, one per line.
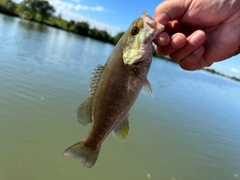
198,32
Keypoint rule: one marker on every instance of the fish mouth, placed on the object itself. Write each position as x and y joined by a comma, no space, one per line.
140,49
150,25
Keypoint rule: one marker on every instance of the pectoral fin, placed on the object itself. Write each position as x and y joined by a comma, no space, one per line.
121,131
146,84
84,111
148,88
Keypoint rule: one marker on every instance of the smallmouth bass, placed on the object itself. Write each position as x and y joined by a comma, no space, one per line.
114,89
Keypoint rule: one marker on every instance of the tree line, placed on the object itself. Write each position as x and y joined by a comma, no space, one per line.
42,12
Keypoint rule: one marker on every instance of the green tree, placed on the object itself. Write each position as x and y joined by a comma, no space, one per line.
38,6
7,6
72,22
81,28
117,37
71,25
101,35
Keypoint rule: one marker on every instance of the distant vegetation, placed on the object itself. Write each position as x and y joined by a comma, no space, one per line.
218,73
42,12
210,71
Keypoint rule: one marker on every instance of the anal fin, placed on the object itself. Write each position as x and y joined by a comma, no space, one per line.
121,131
83,115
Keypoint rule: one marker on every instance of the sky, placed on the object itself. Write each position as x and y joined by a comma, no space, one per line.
112,16
116,16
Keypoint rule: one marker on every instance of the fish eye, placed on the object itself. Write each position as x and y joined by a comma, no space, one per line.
135,31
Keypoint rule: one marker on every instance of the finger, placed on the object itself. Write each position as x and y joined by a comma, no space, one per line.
177,41
170,10
162,39
194,61
194,41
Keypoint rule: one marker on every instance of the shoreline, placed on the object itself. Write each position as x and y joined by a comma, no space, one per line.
81,28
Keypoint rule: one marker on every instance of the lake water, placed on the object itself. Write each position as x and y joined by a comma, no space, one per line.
189,130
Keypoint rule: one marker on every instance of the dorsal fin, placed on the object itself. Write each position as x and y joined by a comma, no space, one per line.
94,80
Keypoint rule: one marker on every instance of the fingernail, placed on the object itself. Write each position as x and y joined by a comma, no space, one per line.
161,18
177,42
163,41
196,38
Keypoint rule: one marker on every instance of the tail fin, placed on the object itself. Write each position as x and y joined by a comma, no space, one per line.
81,151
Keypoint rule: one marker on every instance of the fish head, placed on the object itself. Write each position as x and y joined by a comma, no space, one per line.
139,37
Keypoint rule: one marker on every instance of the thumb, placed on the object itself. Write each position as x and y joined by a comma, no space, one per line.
170,10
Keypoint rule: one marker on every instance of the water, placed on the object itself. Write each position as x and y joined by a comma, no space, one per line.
189,130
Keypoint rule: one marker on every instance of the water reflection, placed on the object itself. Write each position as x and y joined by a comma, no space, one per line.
7,19
53,46
32,26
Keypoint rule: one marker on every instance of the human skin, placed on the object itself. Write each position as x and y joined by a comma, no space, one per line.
198,32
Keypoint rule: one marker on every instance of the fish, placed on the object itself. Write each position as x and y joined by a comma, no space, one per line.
114,88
